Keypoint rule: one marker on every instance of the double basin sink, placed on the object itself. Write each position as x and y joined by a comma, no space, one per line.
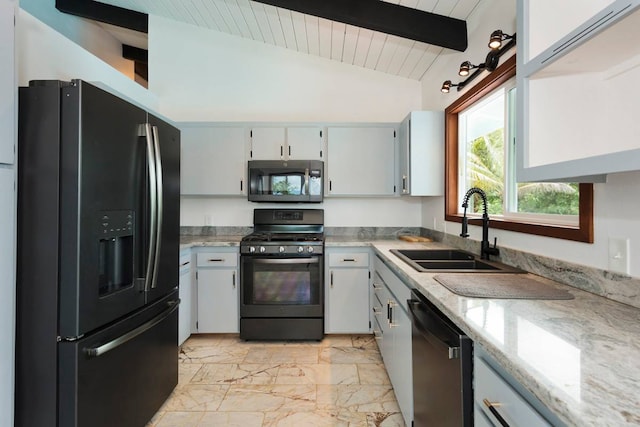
450,261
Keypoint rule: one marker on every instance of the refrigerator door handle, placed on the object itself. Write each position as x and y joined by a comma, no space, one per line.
153,207
113,344
159,204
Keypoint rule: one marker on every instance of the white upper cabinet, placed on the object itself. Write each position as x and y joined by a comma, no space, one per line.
7,82
212,160
578,70
267,143
305,143
361,161
421,154
291,143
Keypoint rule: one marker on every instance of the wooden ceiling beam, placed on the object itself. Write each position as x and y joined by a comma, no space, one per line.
387,18
103,12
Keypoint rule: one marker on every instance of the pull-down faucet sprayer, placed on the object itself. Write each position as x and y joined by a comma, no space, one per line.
485,248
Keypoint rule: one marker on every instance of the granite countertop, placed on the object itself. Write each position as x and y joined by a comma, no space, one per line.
579,357
195,241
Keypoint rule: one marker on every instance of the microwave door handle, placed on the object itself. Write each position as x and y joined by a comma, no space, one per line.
306,181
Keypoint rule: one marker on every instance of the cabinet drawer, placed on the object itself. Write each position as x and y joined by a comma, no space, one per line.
348,259
217,259
515,410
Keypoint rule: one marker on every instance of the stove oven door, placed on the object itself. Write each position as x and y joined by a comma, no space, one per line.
273,286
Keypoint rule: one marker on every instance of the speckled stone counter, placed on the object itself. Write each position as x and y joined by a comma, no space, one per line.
197,241
580,357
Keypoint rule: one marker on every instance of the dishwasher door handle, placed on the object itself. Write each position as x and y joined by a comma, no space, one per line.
433,327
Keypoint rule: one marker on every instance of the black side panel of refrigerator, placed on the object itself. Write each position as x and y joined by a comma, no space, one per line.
126,381
103,166
167,274
37,256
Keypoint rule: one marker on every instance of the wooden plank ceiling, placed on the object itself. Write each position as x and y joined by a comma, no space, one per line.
309,34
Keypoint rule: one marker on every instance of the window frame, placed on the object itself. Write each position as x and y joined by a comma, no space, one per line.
583,232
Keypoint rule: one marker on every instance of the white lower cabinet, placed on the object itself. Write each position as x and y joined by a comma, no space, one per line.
218,291
389,306
185,313
499,399
347,291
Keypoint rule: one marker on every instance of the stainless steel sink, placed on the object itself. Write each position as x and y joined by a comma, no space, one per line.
450,261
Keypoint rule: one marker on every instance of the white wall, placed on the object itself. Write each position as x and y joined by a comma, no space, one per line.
616,203
361,212
86,33
204,75
44,53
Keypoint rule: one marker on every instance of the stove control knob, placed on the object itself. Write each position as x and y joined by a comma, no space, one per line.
310,249
300,249
252,249
281,249
262,249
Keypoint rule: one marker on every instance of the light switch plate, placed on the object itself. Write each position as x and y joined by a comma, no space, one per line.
619,255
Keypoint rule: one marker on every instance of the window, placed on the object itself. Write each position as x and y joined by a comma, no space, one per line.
479,127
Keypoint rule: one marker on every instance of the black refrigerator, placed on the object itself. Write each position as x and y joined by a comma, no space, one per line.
97,260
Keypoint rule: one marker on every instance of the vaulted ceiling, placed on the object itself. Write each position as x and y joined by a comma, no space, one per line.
310,34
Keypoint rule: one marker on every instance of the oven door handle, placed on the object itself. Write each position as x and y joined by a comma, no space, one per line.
309,260
306,182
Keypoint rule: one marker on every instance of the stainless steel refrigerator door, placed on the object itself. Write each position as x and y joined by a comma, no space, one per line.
166,255
103,177
122,375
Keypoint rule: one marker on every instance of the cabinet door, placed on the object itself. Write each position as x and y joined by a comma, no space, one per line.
184,313
267,143
361,161
348,301
218,301
212,161
7,81
304,143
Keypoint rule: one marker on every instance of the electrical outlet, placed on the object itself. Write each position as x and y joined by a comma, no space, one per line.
619,255
208,220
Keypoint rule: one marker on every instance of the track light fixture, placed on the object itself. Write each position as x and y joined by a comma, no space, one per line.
446,86
490,63
497,37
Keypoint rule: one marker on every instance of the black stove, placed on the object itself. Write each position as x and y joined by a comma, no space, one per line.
281,277
285,232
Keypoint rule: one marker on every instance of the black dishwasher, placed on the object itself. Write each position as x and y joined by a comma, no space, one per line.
442,368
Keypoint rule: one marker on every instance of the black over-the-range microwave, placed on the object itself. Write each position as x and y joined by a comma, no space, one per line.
285,181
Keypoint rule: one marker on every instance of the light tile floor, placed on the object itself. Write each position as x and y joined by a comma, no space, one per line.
225,381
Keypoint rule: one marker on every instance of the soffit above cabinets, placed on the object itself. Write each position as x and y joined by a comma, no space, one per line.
312,35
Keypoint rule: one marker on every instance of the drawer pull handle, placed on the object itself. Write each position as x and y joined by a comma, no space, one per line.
376,287
377,310
185,263
494,411
377,334
348,260
215,260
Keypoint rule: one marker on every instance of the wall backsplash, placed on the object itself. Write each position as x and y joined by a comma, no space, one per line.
614,286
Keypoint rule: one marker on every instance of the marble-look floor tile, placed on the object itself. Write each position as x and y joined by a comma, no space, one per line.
225,381
270,398
357,398
180,419
282,354
195,397
385,419
244,373
373,373
349,355
315,419
317,374
213,354
232,419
